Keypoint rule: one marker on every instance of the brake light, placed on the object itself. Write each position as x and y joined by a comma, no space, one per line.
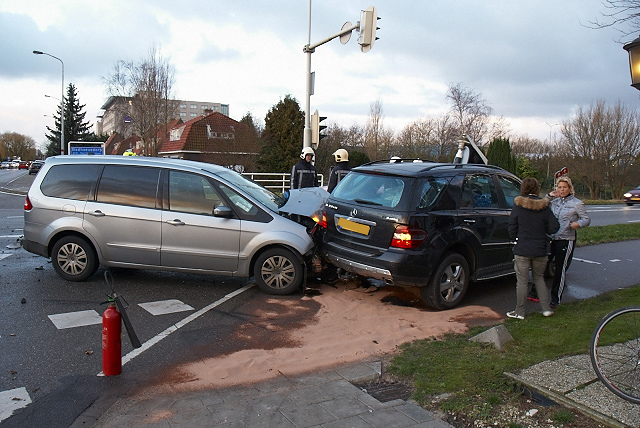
322,219
408,237
27,204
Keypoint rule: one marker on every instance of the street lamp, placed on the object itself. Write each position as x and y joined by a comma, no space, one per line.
61,100
634,61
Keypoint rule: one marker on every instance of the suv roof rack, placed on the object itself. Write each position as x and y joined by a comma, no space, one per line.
429,164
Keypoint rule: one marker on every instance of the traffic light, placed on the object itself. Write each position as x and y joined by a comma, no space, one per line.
368,26
316,129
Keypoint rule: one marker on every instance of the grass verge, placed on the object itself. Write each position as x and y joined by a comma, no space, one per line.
611,233
473,372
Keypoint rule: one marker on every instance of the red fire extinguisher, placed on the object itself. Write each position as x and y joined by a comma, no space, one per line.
111,341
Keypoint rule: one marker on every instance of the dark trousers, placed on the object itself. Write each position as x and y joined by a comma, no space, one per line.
562,253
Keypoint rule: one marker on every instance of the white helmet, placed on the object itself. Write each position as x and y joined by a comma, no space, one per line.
307,151
341,155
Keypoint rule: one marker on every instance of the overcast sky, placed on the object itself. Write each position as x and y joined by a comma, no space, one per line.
533,61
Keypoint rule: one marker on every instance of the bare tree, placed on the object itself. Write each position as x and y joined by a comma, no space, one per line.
147,88
603,143
622,15
470,111
378,140
14,145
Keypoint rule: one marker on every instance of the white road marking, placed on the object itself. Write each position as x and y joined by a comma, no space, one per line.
4,256
633,221
165,307
587,261
615,260
15,216
75,319
10,236
149,343
12,400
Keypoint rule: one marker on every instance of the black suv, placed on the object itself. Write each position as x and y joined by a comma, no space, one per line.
437,226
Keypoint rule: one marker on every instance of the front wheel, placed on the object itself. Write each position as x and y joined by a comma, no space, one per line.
448,284
615,352
278,271
73,258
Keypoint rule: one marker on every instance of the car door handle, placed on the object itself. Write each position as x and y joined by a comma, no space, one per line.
96,213
176,222
469,220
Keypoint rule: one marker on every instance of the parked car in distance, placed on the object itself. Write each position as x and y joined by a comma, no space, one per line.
438,226
35,166
164,214
632,196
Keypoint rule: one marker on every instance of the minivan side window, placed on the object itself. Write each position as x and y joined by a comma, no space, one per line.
191,193
129,185
70,181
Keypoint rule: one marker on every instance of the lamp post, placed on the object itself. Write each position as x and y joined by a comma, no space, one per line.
61,100
634,61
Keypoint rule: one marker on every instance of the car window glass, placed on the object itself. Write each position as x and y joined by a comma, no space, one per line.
192,193
70,181
479,192
431,189
510,188
128,185
242,204
371,189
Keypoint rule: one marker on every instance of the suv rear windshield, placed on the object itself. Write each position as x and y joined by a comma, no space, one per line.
372,189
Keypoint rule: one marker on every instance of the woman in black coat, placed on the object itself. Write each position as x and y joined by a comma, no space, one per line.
530,223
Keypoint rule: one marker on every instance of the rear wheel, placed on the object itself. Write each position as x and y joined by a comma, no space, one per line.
448,284
73,258
278,271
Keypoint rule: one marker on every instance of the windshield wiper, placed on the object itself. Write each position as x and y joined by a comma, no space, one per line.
364,201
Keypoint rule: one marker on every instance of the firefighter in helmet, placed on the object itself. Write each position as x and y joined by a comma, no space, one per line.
304,174
341,169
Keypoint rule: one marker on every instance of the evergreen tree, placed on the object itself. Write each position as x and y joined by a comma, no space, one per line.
75,129
284,126
499,154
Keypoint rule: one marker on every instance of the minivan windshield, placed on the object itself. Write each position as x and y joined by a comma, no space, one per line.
371,189
253,189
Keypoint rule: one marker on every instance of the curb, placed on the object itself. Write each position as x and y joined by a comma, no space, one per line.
559,398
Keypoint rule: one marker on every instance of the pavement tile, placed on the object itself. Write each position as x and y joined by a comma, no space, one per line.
352,422
415,412
344,407
388,418
304,416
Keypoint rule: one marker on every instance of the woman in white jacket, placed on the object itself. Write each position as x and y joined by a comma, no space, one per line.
571,214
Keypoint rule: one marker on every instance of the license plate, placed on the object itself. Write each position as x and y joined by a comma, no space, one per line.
353,226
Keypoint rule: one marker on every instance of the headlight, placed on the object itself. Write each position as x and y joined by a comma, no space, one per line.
627,195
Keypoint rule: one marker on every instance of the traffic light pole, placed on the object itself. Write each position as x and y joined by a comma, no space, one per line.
309,49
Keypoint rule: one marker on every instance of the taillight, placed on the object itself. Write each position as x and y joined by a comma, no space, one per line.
321,219
27,204
408,237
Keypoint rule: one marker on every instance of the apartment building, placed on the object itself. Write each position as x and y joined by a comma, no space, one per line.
115,119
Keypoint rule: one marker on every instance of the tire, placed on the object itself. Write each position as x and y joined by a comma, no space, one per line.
615,352
74,259
449,283
278,271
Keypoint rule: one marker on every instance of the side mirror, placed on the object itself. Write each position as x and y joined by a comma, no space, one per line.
222,211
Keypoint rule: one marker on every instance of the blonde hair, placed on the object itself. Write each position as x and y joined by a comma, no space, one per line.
565,180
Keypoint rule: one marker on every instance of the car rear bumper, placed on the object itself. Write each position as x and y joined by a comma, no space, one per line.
403,268
35,248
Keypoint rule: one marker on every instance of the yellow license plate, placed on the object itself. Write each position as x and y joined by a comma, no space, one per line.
353,226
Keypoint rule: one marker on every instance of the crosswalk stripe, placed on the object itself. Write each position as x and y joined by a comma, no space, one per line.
12,400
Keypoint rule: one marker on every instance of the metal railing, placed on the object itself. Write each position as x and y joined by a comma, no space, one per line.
274,181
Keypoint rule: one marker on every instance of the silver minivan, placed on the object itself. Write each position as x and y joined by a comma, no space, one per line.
163,214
